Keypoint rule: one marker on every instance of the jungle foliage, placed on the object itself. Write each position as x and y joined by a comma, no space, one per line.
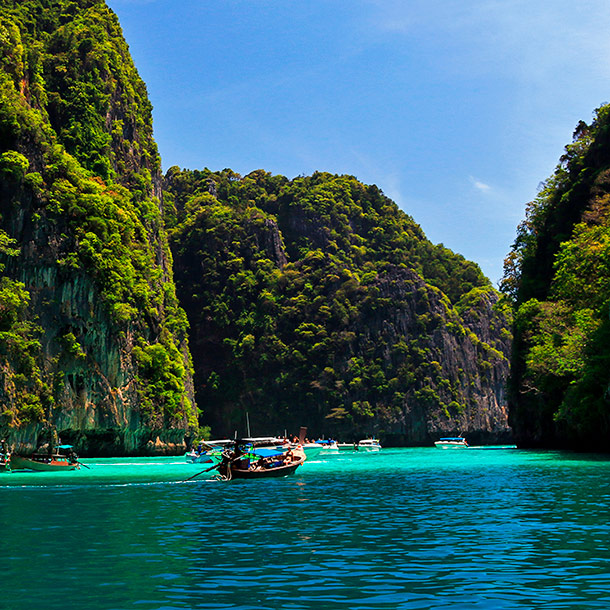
300,295
311,300
558,276
79,175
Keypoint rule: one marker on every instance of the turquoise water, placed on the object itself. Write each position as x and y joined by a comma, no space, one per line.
401,529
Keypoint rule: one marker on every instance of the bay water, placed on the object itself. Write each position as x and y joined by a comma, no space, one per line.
410,529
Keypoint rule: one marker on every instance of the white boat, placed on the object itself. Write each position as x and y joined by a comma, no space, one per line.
328,446
316,448
452,442
369,444
347,446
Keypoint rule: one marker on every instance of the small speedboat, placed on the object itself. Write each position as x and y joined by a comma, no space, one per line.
369,444
328,446
452,442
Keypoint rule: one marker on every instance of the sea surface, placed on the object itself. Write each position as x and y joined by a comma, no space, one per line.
410,529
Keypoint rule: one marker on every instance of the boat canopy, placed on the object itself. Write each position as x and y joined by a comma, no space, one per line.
453,438
263,452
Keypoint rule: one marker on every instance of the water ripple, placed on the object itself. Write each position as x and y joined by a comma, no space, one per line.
405,530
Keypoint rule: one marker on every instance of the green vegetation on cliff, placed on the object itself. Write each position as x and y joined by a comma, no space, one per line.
317,301
89,291
312,301
558,275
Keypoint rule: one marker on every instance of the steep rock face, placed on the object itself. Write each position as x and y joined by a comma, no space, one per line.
558,274
460,382
93,341
317,302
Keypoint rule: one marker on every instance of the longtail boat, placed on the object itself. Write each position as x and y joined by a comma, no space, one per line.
46,462
236,471
247,462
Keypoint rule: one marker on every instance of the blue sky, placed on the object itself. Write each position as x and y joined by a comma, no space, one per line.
456,110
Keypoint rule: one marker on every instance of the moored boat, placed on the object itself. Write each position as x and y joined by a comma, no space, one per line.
369,444
55,462
452,442
321,447
329,446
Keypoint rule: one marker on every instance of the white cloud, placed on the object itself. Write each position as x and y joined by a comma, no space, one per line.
481,186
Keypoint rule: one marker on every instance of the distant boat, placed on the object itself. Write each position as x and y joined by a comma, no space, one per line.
314,448
452,442
369,444
46,462
347,446
207,452
328,446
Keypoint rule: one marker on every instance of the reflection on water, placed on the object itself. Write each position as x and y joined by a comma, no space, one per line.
403,529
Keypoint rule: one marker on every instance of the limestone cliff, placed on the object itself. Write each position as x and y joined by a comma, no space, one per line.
458,368
93,341
317,302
